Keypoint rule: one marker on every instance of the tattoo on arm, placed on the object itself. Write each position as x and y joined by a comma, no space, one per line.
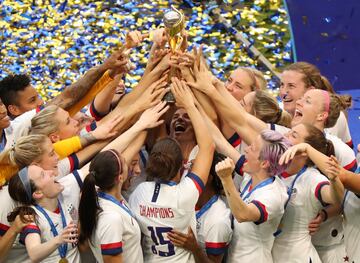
87,139
73,93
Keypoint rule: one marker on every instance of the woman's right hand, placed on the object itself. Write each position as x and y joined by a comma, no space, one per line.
225,168
19,224
290,153
150,117
68,235
183,95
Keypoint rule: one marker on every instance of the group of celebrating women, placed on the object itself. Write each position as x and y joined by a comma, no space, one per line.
100,174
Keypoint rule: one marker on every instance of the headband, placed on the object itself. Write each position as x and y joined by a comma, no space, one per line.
118,159
23,174
327,100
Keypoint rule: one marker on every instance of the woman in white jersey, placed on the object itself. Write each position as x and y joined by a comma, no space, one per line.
56,202
168,202
319,108
309,192
105,218
260,205
351,203
213,222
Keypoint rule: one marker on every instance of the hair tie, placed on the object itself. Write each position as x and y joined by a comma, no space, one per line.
93,173
23,174
327,100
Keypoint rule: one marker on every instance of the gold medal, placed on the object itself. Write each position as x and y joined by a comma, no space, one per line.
63,260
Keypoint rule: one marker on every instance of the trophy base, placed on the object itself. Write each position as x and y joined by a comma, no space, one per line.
169,97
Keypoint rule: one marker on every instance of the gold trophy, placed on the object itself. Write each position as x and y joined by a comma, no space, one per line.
174,21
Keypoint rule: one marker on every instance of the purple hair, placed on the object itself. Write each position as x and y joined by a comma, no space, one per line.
275,145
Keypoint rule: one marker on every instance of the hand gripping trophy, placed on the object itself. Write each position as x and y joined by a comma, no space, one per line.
174,21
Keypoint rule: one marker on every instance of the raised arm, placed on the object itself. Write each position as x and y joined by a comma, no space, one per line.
76,91
335,193
241,211
229,111
203,160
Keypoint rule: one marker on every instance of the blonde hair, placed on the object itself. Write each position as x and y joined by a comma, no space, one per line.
45,122
26,150
261,82
266,108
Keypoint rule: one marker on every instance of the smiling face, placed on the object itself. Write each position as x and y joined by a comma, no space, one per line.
239,84
292,88
310,109
49,159
181,128
252,154
45,182
68,127
27,99
297,134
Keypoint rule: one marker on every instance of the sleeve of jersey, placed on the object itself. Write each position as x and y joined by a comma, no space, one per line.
94,113
218,238
92,126
29,229
94,90
110,231
68,146
190,188
264,215
197,182
239,165
234,140
317,192
3,229
345,155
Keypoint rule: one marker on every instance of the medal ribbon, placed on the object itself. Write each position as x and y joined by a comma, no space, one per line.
260,185
290,189
63,247
115,201
207,206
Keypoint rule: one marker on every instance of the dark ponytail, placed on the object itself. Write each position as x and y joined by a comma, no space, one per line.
216,182
104,169
318,141
88,208
165,160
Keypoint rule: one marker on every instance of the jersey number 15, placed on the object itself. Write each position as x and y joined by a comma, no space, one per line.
158,239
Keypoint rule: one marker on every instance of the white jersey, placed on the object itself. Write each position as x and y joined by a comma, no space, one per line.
18,253
352,226
69,201
18,128
293,244
341,130
161,207
252,241
213,226
116,232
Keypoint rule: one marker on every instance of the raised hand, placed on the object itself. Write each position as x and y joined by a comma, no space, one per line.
203,77
117,63
133,39
183,95
225,168
290,153
150,117
153,94
334,169
107,129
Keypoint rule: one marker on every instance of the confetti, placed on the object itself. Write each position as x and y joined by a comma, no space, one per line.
57,41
